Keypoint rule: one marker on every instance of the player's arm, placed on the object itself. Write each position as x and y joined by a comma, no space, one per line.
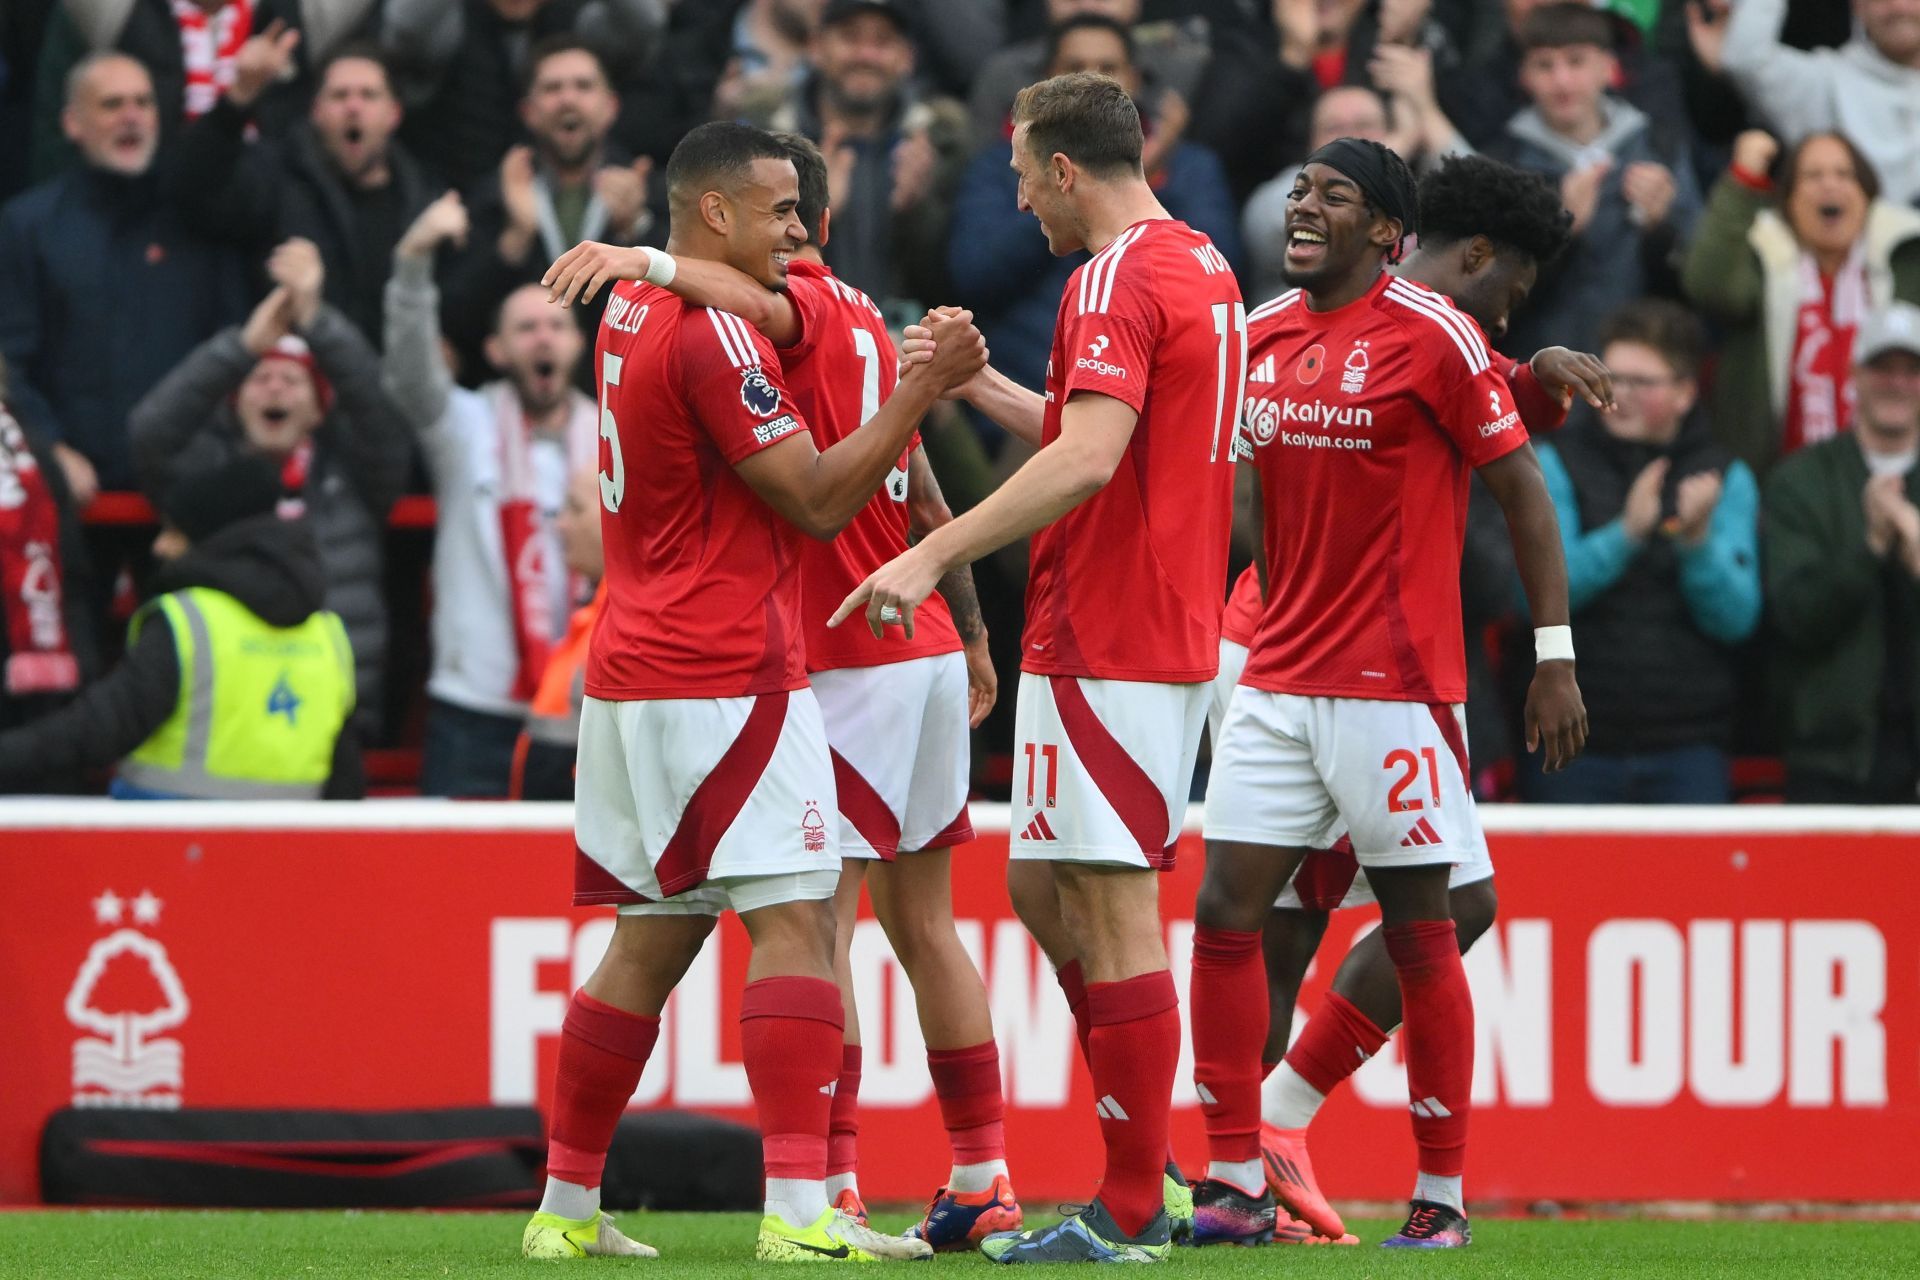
820,492
587,267
926,511
1020,411
1250,517
1094,432
1555,714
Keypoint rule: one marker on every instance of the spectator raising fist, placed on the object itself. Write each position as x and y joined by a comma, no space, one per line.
262,62
442,222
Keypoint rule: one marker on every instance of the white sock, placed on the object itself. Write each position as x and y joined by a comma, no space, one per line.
1289,1102
969,1178
838,1182
1446,1191
799,1202
570,1200
1244,1175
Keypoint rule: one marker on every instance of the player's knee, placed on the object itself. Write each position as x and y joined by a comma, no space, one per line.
1220,905
1474,908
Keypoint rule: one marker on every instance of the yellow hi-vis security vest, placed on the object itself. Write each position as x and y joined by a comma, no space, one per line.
260,706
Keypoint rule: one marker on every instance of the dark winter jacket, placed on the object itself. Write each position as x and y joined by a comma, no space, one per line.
269,565
1828,599
258,194
103,289
1613,260
360,461
1659,621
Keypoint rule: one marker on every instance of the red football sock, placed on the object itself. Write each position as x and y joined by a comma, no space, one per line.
1334,1043
971,1104
1074,986
1133,1050
602,1053
843,1118
1229,997
1437,1040
790,1041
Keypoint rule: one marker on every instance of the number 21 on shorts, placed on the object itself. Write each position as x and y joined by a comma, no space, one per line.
1047,754
1411,766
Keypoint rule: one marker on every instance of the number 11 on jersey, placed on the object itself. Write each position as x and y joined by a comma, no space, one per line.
1230,328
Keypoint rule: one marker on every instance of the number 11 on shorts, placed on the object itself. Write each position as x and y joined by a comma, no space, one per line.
1397,800
1049,753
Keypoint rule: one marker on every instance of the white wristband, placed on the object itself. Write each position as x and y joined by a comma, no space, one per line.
1552,644
660,268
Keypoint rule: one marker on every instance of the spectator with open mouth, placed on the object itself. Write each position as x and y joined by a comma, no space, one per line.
300,387
1791,273
500,458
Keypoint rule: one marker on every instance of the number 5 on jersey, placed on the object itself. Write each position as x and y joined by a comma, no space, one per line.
612,487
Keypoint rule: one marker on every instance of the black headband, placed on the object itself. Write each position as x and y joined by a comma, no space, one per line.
1388,186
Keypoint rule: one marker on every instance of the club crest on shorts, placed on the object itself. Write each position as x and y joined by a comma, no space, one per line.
1312,361
813,830
756,393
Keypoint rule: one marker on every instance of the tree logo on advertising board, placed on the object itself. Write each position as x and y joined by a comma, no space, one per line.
127,992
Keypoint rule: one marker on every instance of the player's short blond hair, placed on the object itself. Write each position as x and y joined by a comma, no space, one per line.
1085,116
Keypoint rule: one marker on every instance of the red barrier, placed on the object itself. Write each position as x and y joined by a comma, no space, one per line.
1721,1006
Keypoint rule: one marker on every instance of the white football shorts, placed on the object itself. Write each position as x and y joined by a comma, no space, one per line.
900,745
1102,768
694,805
1292,769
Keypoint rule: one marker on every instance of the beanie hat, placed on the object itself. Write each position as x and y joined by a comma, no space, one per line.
296,350
202,503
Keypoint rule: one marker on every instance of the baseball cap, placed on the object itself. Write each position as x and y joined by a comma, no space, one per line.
1895,327
841,10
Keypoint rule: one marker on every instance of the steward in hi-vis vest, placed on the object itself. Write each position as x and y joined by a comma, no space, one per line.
236,683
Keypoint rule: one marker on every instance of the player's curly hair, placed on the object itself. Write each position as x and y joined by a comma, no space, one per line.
1474,196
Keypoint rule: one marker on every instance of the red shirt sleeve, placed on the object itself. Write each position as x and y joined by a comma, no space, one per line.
809,299
1540,410
1109,350
1471,399
730,377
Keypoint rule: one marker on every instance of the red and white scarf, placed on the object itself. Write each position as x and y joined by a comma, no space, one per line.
209,43
1820,387
38,660
526,537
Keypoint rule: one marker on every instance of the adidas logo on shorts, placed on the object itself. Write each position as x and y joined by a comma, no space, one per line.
1038,829
1422,833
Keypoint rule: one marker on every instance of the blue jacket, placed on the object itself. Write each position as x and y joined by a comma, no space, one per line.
103,290
1003,270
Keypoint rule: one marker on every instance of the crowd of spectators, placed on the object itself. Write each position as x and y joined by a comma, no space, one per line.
308,235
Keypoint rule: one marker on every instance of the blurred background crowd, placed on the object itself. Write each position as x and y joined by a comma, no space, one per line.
276,363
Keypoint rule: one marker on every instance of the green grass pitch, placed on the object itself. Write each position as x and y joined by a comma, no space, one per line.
139,1244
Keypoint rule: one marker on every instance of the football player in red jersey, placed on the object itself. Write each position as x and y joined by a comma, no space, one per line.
1349,710
897,714
705,782
1486,229
1128,500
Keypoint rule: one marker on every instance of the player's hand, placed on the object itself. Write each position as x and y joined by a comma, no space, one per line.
892,592
83,482
959,351
1580,192
269,323
1755,151
1642,510
588,265
1693,505
1567,373
442,222
983,682
1649,189
266,58
916,347
1556,717
623,190
295,266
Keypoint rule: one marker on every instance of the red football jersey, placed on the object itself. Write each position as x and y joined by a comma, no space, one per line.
703,578
1540,412
1128,585
1365,422
840,372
